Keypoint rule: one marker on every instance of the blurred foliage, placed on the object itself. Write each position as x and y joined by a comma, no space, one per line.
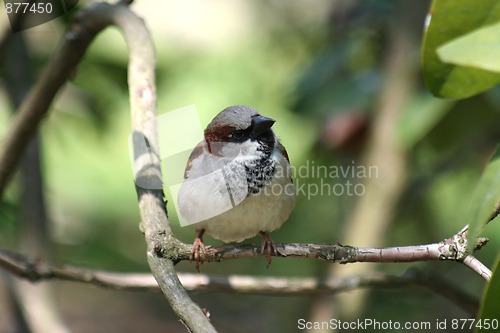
307,65
486,200
490,306
447,73
346,71
422,115
460,59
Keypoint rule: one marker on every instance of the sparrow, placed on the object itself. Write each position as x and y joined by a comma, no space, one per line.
237,182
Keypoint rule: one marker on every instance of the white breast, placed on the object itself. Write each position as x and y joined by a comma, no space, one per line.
221,204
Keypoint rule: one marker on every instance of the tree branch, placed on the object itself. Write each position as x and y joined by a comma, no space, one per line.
163,248
477,266
57,72
37,305
453,248
87,24
38,271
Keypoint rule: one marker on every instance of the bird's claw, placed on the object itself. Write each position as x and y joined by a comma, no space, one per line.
267,247
198,247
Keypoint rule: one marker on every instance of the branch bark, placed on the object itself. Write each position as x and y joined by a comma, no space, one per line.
87,24
248,285
164,250
453,248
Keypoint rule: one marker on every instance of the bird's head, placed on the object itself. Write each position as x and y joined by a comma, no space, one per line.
240,129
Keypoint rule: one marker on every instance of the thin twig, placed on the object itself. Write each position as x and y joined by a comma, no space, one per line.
278,286
477,266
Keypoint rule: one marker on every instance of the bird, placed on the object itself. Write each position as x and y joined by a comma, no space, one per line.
237,182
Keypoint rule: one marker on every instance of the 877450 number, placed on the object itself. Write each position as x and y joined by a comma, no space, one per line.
483,324
26,7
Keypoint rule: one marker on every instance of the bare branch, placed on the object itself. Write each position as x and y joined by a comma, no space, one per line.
87,24
280,286
336,253
461,239
313,286
36,270
147,169
453,248
478,267
163,248
57,72
37,305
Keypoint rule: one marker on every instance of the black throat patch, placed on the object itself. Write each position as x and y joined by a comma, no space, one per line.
260,171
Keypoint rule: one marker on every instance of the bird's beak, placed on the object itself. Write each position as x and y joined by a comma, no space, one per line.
261,124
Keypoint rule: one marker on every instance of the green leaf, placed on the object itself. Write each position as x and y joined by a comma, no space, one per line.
421,116
480,48
486,199
451,19
490,303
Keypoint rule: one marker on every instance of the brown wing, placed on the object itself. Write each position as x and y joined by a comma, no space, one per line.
197,151
283,151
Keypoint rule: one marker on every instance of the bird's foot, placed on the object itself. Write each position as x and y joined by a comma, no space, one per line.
267,247
198,247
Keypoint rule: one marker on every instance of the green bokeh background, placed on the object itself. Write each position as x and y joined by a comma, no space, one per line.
301,63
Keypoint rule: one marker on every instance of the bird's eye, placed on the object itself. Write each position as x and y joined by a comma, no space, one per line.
237,135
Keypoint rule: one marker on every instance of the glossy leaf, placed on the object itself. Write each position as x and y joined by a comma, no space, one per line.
449,20
490,304
480,49
486,198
